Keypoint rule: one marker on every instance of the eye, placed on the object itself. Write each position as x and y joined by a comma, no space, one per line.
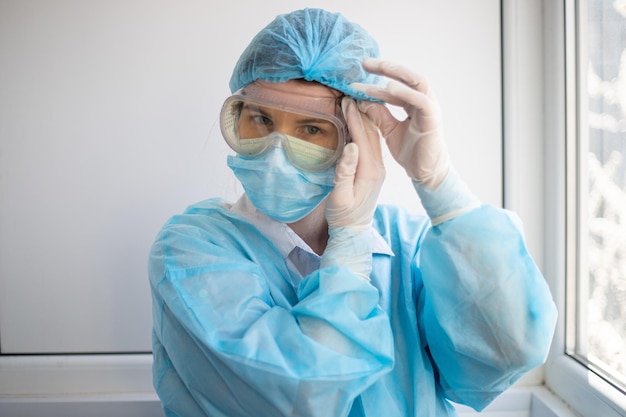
259,119
312,130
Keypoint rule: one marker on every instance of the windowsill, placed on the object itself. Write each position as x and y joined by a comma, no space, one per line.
517,402
522,402
121,385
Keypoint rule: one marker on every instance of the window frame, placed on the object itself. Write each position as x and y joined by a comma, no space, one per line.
581,388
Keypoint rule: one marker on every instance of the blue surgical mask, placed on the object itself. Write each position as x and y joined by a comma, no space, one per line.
277,188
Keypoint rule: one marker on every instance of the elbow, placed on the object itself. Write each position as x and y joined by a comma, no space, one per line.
488,369
533,348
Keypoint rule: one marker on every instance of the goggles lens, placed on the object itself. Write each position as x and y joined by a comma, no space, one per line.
312,140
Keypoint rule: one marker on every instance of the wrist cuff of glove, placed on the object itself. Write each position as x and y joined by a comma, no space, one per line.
349,248
450,199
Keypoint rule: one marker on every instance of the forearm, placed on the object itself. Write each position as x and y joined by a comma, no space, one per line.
220,324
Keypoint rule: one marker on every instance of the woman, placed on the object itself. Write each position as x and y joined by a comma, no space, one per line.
305,298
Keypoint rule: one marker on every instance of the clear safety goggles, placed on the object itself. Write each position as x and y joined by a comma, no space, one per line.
310,128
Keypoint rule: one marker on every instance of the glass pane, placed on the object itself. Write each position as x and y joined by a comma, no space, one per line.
601,340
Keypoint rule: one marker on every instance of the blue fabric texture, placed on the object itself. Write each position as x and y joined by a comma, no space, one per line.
310,44
458,313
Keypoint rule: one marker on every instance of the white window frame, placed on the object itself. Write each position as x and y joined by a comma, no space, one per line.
587,393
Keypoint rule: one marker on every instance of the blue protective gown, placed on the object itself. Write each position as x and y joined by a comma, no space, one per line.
458,312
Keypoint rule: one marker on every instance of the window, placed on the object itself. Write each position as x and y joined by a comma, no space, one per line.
585,146
596,320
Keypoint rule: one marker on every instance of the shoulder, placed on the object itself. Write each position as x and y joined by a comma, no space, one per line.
207,227
204,216
207,234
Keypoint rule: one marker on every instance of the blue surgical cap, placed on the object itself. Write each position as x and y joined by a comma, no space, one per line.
310,44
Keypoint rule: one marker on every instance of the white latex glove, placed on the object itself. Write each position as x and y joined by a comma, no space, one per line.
416,142
359,176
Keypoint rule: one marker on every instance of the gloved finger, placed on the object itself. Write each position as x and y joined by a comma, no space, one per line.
423,111
405,88
380,116
365,135
392,129
398,94
400,73
345,170
359,173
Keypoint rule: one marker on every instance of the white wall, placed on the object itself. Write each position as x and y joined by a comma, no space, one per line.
108,126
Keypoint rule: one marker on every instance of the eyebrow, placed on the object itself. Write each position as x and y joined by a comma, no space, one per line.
253,107
314,120
267,111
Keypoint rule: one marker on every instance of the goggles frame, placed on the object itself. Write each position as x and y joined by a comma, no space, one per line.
258,96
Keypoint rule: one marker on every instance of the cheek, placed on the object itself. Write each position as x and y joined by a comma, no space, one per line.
247,130
331,143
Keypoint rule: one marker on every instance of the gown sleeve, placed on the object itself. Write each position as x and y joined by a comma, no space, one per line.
233,338
486,310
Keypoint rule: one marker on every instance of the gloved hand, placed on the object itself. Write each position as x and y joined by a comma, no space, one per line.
359,176
416,142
